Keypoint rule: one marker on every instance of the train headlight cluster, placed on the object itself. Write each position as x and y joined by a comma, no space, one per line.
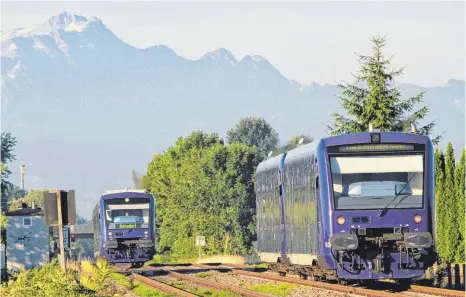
417,219
340,220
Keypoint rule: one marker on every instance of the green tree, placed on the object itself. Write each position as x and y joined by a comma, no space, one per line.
293,143
35,196
451,232
375,99
460,206
137,180
8,144
203,187
253,131
440,202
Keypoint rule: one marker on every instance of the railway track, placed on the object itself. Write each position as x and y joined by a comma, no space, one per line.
334,287
180,273
150,281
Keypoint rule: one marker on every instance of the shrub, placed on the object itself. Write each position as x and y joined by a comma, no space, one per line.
93,276
47,281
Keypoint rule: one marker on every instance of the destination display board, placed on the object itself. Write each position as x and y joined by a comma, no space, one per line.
375,147
127,226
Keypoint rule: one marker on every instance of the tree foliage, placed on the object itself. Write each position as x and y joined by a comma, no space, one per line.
35,196
203,187
460,206
441,204
49,280
451,231
8,144
376,100
253,131
292,144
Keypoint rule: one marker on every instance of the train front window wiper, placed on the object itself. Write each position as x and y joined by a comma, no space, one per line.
383,211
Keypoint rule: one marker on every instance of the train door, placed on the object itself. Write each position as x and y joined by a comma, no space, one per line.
318,204
281,218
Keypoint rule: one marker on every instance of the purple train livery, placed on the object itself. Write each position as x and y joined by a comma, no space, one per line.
124,226
353,207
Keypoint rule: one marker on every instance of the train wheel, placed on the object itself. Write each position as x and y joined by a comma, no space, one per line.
404,283
282,273
342,281
302,276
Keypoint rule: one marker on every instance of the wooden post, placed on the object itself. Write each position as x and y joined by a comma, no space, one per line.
60,231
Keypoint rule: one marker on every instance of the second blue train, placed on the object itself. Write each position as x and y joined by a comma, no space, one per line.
124,226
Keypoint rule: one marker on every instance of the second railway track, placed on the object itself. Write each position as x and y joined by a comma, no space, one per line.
338,288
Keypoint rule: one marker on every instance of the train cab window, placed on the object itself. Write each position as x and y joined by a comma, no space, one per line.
127,213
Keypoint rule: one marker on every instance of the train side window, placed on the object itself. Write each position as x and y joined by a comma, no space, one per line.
317,182
99,215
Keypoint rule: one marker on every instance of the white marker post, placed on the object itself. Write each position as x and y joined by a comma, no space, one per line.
200,242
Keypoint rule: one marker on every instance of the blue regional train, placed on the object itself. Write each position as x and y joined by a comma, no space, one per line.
124,226
350,207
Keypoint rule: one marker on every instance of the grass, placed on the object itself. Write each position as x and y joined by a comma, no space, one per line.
274,289
206,293
204,274
145,291
122,280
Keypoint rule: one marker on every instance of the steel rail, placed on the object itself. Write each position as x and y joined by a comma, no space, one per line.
215,285
437,291
413,288
161,286
320,285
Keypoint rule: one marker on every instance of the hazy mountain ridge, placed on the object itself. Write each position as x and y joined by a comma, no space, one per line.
87,108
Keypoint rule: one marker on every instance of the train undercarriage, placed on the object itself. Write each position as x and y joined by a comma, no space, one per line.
133,251
365,258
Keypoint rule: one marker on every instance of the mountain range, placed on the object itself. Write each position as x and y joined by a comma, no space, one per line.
87,108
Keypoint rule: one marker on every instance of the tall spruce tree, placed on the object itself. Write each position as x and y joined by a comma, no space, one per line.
440,202
451,232
375,100
460,197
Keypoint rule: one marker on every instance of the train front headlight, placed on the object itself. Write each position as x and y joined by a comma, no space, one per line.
110,233
145,232
417,219
340,220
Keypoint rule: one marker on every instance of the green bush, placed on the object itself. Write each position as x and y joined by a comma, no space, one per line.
47,281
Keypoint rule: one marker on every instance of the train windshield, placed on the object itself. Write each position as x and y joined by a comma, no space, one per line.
127,213
372,182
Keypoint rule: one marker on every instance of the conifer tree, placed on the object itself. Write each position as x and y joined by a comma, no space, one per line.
375,100
460,197
451,235
440,202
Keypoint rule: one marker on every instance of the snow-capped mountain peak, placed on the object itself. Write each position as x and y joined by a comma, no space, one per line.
62,22
221,55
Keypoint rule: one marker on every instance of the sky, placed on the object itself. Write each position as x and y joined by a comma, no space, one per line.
306,41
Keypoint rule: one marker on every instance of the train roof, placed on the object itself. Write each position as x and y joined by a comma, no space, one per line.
125,191
365,137
271,163
351,138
